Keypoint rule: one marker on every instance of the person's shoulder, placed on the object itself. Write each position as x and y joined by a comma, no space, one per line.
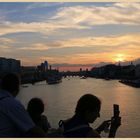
12,103
4,94
94,134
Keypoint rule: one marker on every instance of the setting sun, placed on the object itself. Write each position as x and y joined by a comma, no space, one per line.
120,58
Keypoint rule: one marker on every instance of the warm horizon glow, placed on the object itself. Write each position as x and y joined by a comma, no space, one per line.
120,58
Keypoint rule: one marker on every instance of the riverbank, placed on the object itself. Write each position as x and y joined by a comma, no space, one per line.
133,83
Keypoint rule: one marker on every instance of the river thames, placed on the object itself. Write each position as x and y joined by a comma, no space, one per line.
60,101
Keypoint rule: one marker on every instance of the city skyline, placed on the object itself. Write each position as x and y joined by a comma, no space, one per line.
62,33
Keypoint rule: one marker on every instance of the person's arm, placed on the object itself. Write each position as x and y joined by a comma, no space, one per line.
103,126
115,123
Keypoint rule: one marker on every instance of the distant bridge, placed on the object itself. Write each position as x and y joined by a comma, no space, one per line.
73,74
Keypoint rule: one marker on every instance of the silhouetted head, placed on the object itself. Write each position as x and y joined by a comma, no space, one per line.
88,107
35,107
10,82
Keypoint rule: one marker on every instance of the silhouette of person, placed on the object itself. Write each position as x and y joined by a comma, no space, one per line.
35,109
14,119
87,111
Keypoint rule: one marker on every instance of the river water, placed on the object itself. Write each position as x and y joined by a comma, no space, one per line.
60,101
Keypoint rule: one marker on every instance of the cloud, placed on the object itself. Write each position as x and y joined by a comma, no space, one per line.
127,5
35,47
105,42
4,47
118,13
100,44
9,27
2,17
41,27
88,58
6,40
3,14
75,18
105,49
5,44
112,43
41,5
64,21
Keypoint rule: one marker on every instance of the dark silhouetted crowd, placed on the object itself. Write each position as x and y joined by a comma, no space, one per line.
16,121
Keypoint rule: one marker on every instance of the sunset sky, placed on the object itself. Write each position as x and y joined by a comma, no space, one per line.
70,33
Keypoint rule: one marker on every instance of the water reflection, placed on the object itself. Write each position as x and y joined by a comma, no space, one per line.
61,100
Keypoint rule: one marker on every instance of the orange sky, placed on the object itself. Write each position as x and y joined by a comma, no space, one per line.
62,33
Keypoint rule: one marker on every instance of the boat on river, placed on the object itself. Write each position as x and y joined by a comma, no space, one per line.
107,78
83,77
24,86
53,80
50,82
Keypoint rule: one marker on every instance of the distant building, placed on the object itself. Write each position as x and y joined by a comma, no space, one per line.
28,69
27,73
50,67
111,71
9,65
107,71
137,71
43,66
128,71
46,65
3,65
14,65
